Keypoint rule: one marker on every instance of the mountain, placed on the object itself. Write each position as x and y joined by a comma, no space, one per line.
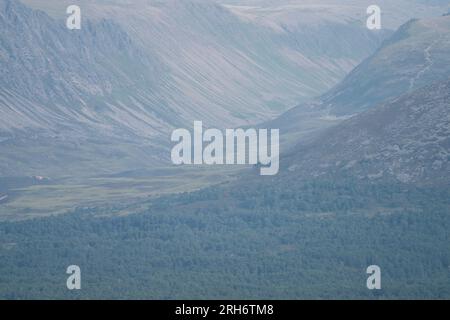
406,139
102,101
74,98
56,79
111,92
229,70
269,237
416,55
107,96
413,57
301,13
369,188
387,120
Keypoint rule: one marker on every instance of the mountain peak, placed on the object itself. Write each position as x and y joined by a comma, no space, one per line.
414,56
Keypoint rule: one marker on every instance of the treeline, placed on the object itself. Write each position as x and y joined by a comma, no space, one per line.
258,241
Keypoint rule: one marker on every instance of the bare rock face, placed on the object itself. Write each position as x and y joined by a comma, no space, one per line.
53,78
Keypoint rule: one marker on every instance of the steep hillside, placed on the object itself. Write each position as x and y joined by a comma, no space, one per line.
406,139
415,56
226,69
63,92
109,94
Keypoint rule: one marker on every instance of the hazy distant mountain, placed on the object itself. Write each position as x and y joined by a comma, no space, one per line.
74,98
95,79
389,118
229,70
415,56
301,13
111,92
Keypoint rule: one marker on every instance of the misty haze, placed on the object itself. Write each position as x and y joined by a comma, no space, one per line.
350,201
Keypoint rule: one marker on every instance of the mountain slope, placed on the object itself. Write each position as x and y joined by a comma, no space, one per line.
69,98
53,78
111,92
413,57
65,94
406,139
416,55
226,69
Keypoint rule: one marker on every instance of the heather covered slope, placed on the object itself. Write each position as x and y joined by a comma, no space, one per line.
406,139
